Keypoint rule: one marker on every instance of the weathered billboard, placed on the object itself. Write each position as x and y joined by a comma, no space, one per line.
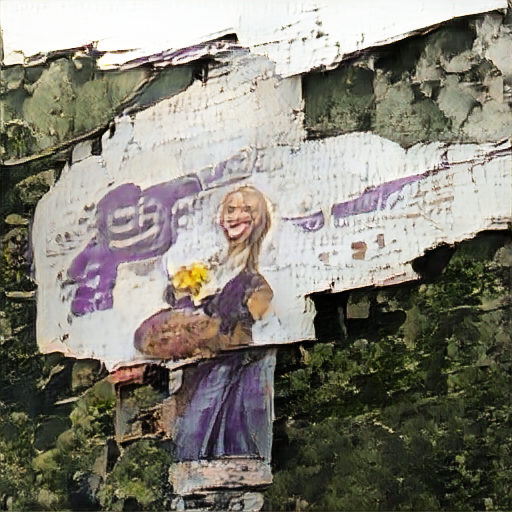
186,243
207,221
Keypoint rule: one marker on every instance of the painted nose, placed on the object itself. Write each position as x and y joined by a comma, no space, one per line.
232,218
235,216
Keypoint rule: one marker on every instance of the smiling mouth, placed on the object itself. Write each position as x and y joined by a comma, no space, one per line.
235,231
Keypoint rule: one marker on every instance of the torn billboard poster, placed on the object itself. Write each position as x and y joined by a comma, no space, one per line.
208,220
218,260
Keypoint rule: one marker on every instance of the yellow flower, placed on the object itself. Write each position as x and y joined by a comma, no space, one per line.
190,278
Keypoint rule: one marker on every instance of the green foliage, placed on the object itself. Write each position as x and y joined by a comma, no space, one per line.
16,454
58,478
14,260
21,364
144,397
17,139
32,189
416,419
141,474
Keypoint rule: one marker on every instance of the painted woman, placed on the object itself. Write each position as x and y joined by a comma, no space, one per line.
223,407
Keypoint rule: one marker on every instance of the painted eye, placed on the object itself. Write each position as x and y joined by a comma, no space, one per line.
312,222
247,209
231,209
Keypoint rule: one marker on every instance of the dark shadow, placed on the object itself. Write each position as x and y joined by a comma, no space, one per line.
330,316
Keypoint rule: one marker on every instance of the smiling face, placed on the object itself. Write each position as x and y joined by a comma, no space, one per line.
237,218
245,220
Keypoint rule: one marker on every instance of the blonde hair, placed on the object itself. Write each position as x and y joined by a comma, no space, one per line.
246,254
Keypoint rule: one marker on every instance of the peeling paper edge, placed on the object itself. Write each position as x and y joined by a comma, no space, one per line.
133,57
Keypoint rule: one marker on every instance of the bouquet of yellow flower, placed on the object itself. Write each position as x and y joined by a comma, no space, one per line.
176,333
190,279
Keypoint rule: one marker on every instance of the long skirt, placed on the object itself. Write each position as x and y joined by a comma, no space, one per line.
225,407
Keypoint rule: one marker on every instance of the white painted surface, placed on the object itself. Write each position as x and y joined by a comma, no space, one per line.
297,36
253,113
192,476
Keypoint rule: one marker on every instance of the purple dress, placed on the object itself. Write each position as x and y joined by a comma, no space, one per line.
227,401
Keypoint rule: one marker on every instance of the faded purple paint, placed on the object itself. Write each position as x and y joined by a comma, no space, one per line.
229,407
374,199
230,171
185,55
132,225
230,305
216,175
312,222
228,400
